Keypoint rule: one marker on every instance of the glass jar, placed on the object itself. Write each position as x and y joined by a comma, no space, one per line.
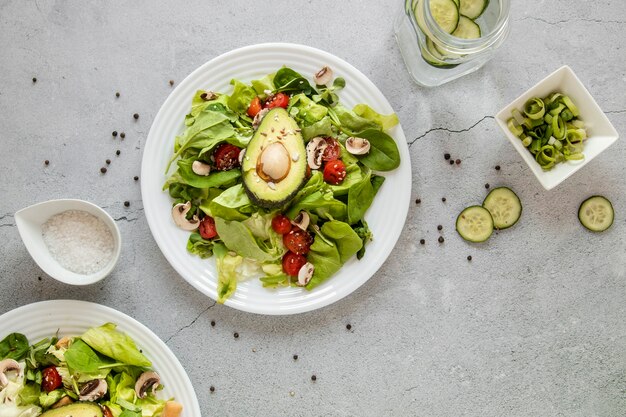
433,56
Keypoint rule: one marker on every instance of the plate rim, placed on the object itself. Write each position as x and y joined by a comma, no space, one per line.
138,329
405,170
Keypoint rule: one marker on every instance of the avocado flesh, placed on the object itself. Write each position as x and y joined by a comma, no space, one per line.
80,409
276,126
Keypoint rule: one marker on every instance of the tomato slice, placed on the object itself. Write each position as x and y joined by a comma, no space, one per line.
292,263
255,107
278,100
50,379
226,156
281,224
298,241
207,228
334,172
332,150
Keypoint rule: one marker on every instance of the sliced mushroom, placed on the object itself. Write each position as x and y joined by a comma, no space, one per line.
357,146
323,76
93,390
315,151
242,153
305,274
179,214
201,168
274,163
63,342
62,402
258,118
8,365
302,220
145,381
209,95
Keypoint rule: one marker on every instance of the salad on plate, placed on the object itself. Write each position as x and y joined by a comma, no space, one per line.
101,373
274,178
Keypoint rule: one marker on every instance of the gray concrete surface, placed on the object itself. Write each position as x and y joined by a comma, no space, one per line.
532,326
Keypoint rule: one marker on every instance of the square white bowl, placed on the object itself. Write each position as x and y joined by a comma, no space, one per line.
600,132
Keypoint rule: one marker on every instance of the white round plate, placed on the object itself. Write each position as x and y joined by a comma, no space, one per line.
385,217
72,318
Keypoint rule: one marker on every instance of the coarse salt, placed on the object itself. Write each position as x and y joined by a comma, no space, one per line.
78,241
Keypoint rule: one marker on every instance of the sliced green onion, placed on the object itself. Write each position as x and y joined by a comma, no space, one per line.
566,100
518,116
557,110
515,127
548,118
558,127
527,141
535,108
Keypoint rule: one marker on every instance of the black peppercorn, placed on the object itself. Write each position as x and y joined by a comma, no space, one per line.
458,162
114,133
443,199
452,162
108,161
469,257
446,156
418,201
212,388
117,94
171,82
236,335
34,80
487,186
136,178
313,378
348,326
103,170
295,357
136,116
497,167
122,135
126,203
422,241
39,278
439,227
441,239
118,152
46,162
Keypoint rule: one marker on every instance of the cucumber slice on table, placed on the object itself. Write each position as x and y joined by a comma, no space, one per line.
596,213
473,8
445,13
475,224
504,206
466,29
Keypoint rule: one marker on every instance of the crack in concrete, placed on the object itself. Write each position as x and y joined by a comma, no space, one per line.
615,111
445,129
577,19
411,388
126,219
192,322
7,225
6,215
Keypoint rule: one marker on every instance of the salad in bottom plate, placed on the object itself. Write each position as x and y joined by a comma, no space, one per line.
275,178
101,373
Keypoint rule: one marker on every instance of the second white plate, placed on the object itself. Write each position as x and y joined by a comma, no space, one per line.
385,217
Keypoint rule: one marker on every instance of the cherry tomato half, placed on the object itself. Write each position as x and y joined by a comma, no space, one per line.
298,241
50,379
334,172
106,411
332,150
292,263
226,156
207,228
277,100
255,107
281,224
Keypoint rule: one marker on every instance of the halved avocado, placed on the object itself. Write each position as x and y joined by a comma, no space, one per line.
80,409
274,165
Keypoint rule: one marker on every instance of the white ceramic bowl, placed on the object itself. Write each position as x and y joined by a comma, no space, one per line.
601,133
29,222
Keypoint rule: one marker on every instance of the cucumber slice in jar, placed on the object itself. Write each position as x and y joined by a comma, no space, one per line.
466,29
445,13
504,206
475,224
596,213
473,8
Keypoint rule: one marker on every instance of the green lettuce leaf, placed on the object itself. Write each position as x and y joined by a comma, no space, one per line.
384,121
81,358
232,204
322,127
240,99
238,238
227,265
198,246
308,111
115,344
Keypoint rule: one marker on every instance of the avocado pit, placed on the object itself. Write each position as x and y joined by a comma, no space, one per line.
274,163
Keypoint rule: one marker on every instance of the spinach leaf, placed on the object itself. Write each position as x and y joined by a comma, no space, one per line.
377,182
232,204
14,346
81,358
383,154
198,246
353,176
115,344
214,179
289,81
383,121
346,239
360,197
364,232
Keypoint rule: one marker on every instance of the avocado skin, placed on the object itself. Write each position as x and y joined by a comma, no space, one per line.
79,409
248,186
